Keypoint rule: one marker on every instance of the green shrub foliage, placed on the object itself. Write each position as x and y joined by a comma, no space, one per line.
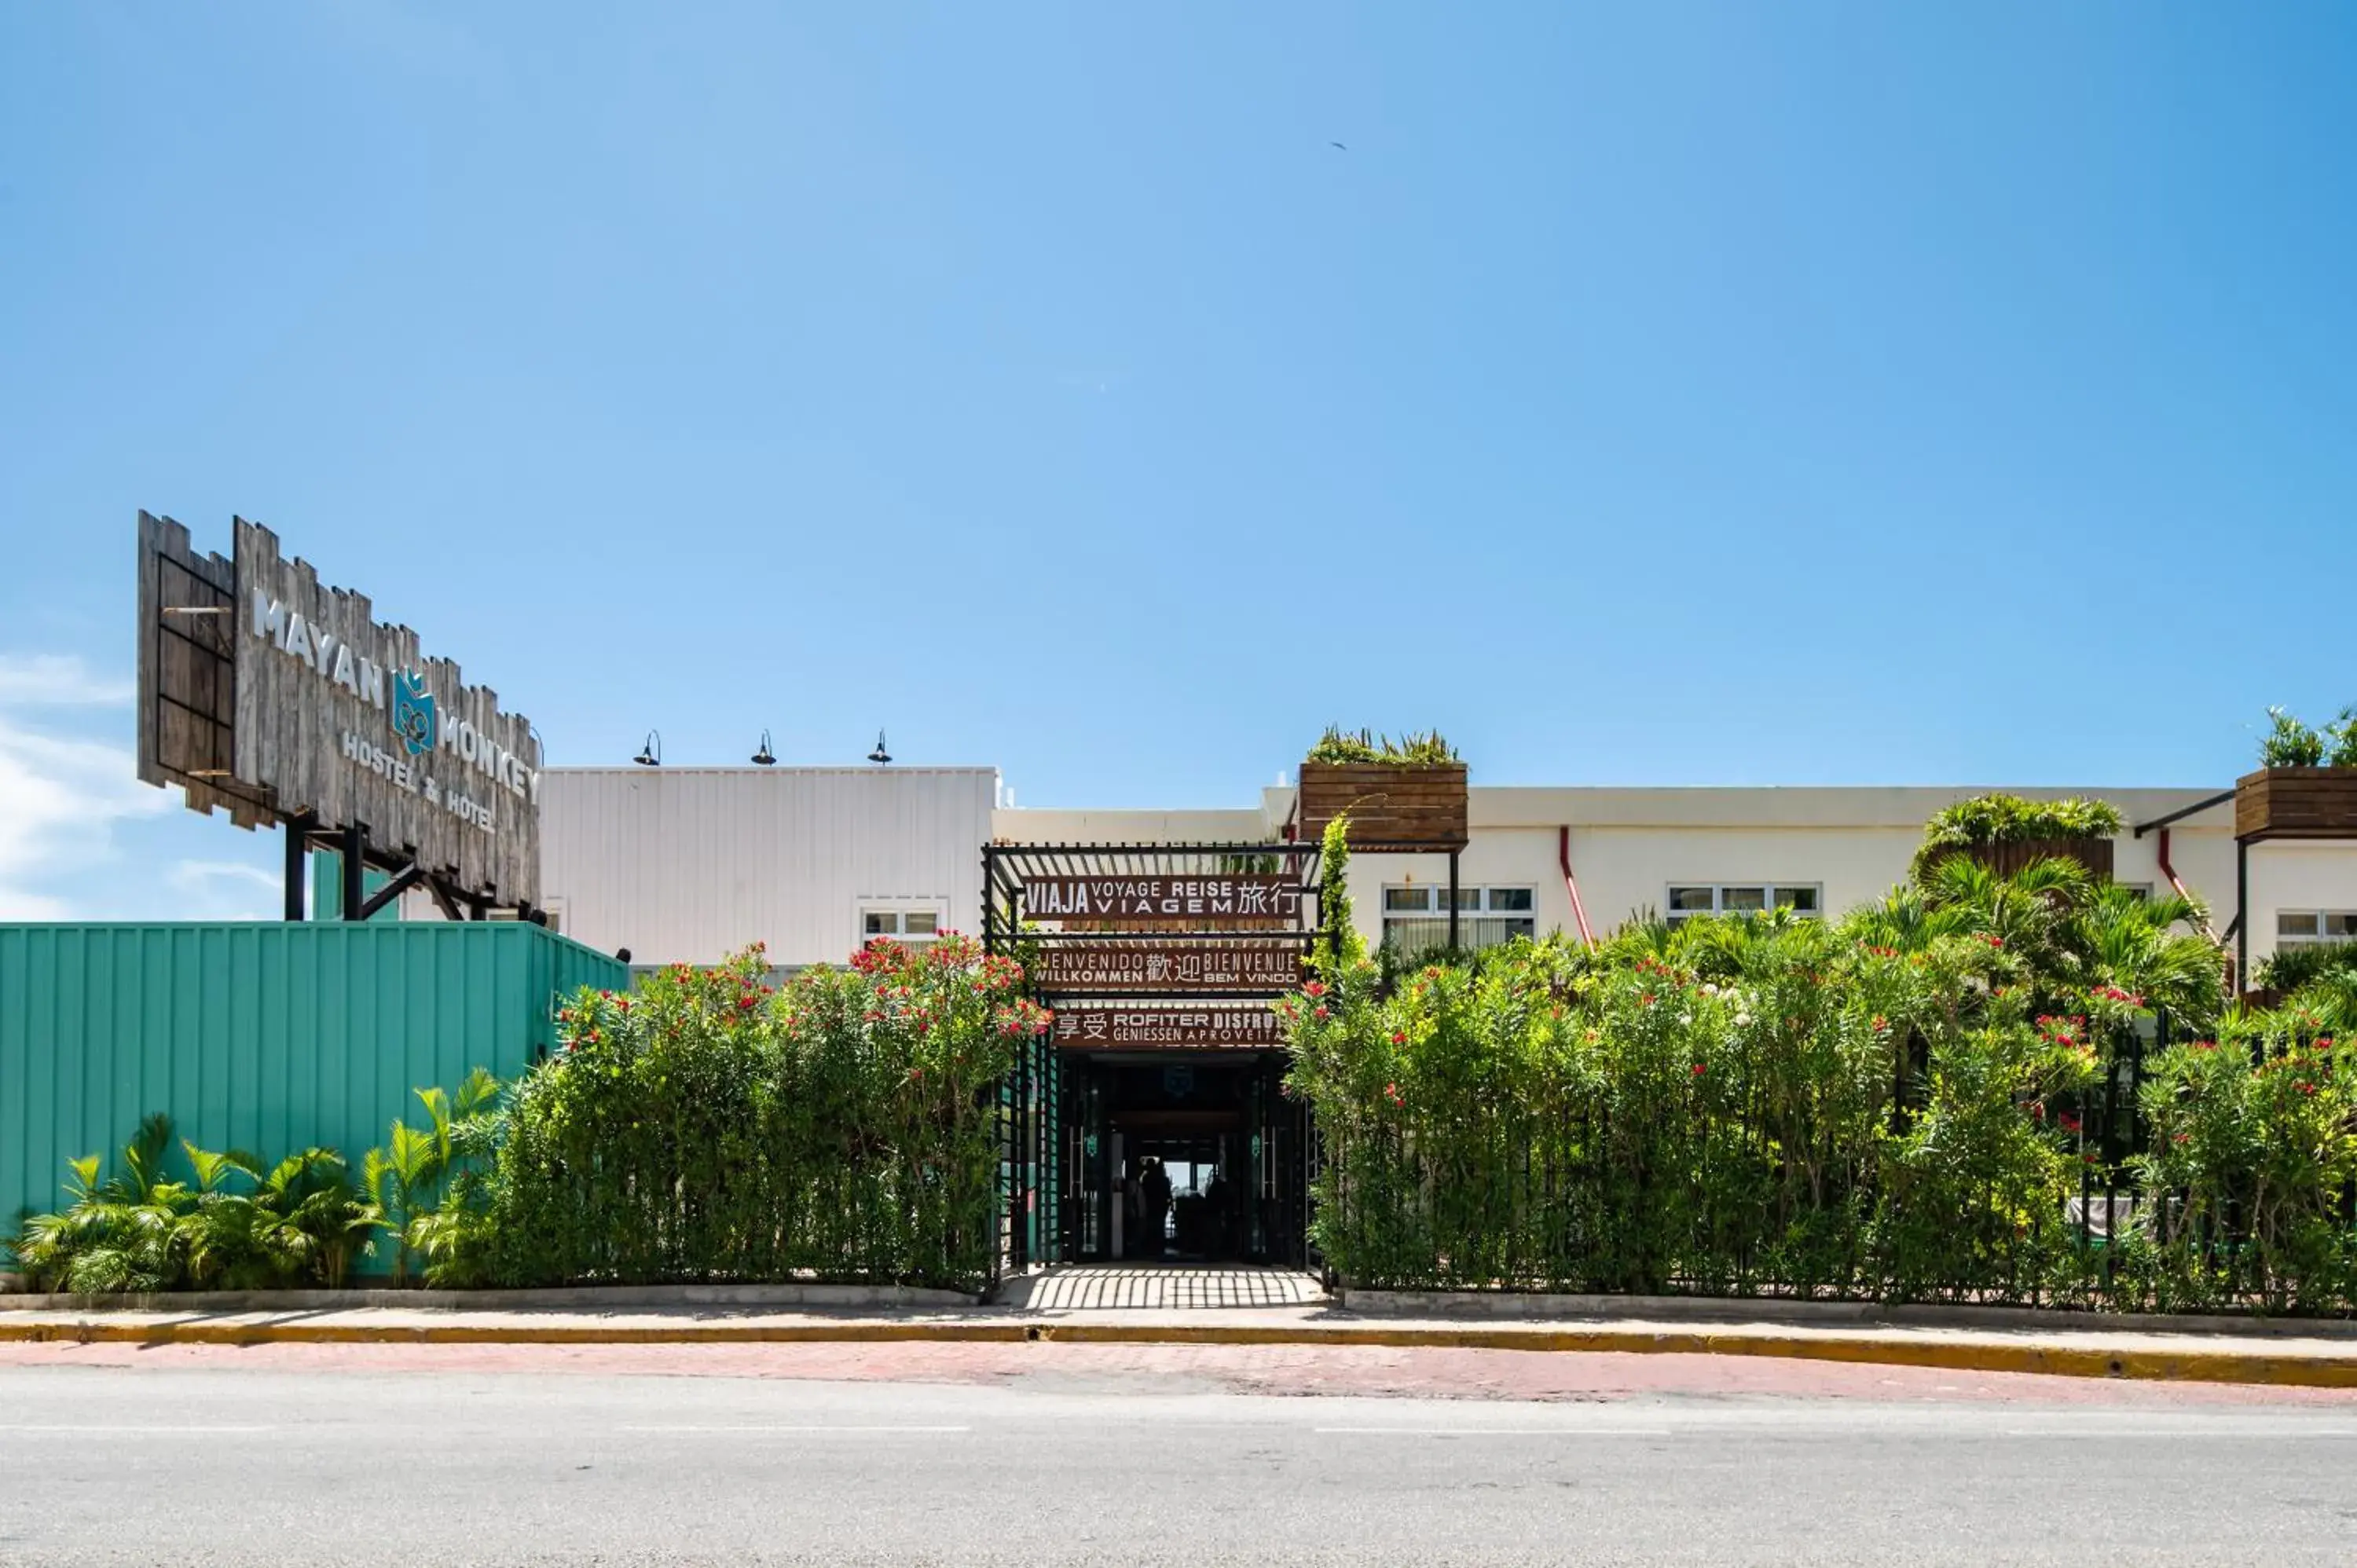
711,1127
2291,743
2253,1152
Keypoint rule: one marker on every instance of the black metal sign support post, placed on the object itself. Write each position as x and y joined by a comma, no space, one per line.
353,874
297,830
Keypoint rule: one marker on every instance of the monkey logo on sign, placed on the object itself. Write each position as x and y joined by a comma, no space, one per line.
413,712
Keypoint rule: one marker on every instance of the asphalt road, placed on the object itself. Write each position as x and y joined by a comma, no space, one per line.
436,1469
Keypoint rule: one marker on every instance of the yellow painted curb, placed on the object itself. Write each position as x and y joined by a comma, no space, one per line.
2179,1365
2047,1360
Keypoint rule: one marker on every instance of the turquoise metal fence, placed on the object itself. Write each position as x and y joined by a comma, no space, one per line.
264,1037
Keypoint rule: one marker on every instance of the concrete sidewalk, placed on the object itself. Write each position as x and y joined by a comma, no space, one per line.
2093,1351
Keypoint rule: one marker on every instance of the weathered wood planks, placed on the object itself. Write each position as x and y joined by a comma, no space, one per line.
1422,803
2296,804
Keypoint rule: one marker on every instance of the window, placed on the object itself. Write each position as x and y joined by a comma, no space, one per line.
1686,900
2308,928
1415,919
900,925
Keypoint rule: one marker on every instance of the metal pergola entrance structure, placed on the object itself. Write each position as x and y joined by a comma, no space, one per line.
1043,1146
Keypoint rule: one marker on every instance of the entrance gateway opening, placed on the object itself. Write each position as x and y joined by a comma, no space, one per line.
1151,1126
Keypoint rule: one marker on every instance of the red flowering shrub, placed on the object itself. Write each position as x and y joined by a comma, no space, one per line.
718,1126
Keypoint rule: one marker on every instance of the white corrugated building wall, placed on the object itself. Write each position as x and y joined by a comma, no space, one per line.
688,864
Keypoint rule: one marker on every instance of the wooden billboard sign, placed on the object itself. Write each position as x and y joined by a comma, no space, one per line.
1150,967
265,692
1185,899
1167,1029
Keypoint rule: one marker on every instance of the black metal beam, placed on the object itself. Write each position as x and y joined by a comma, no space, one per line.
405,879
2217,799
443,898
2241,915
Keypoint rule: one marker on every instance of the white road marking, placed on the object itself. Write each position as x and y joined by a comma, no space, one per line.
141,1430
1492,1431
766,1426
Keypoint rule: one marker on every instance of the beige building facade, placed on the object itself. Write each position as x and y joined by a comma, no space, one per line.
677,864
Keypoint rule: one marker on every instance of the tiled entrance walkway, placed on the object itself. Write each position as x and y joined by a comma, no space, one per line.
1078,1287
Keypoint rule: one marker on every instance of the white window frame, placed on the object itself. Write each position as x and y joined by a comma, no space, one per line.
1719,890
2316,937
897,911
1483,905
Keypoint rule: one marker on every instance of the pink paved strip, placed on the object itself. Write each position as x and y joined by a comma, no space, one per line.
1148,1369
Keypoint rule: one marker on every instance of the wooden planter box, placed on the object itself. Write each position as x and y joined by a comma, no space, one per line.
2296,804
1420,804
2008,859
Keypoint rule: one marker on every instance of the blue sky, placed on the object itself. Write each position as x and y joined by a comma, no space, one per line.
1660,393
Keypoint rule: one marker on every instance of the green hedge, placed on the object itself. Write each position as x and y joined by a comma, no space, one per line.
1928,1099
709,1127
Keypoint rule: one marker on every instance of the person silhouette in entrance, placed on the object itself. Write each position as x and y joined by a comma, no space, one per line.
1155,1189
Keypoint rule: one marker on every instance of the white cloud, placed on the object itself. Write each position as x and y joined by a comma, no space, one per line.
56,680
226,890
15,903
61,796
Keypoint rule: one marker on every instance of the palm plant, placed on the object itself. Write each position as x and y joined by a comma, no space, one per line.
226,1234
324,1221
2157,949
122,1234
404,1178
1907,920
231,1227
2029,913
